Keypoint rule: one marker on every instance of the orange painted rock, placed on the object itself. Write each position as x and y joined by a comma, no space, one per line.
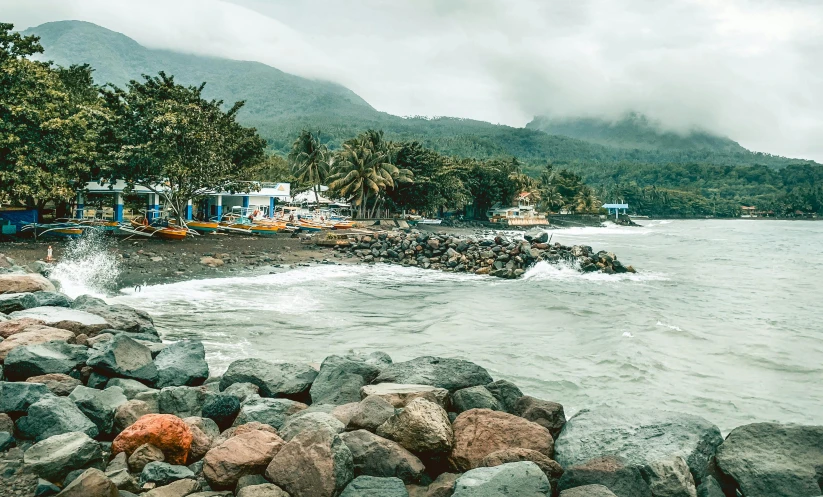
165,431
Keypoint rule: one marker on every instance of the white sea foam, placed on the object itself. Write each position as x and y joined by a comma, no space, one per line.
570,272
628,334
669,326
87,267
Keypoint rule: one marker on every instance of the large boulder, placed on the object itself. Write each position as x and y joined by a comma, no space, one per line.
370,413
475,398
588,491
340,380
398,394
33,335
13,302
377,456
272,412
516,479
204,432
182,401
68,319
163,473
21,283
91,483
770,459
649,439
300,422
506,393
9,327
547,414
131,388
370,486
118,316
613,473
58,384
245,454
274,379
129,412
451,374
99,406
53,415
422,428
124,357
55,456
166,432
481,432
182,364
550,468
312,464
262,490
51,299
222,409
15,398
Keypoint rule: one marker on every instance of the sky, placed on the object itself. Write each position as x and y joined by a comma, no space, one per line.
751,70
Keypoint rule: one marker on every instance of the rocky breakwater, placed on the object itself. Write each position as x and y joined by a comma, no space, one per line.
90,410
499,256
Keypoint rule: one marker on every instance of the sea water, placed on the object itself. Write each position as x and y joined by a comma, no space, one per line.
723,319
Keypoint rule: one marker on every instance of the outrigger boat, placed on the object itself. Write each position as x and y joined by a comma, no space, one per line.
140,226
60,230
200,226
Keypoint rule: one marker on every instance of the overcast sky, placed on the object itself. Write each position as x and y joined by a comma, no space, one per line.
748,69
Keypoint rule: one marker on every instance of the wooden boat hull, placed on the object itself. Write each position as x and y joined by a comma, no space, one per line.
203,226
171,233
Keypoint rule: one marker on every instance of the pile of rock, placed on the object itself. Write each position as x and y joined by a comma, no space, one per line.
94,404
498,256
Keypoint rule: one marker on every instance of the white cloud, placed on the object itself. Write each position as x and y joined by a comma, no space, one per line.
748,69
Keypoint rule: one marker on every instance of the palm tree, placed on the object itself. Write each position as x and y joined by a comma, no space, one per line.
552,198
586,201
310,161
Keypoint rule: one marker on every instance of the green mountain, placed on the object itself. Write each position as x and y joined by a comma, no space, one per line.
633,131
281,104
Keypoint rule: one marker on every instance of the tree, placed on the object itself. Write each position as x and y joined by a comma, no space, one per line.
586,201
49,124
363,168
167,138
310,161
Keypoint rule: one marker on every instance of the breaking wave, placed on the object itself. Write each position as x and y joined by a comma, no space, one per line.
87,266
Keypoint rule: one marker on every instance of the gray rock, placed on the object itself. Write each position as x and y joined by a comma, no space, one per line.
180,488
123,480
506,393
370,413
451,374
262,490
377,456
55,456
43,358
97,380
121,317
474,398
118,462
710,488
182,364
222,409
130,387
611,472
151,398
273,379
422,427
99,405
56,315
770,459
370,486
399,395
91,482
15,398
378,358
340,380
294,425
124,357
640,437
163,473
250,480
515,479
58,384
13,302
182,401
51,416
148,336
143,455
536,236
7,441
52,299
549,415
588,491
272,412
45,488
242,391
